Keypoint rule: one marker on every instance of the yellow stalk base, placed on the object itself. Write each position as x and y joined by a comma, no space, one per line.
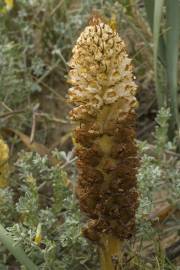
111,253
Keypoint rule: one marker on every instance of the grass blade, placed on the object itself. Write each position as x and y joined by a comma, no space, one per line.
158,7
149,7
172,38
17,251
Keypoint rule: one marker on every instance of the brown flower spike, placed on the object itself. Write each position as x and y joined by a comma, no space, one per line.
103,93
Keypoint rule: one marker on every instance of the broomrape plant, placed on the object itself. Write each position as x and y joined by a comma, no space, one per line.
103,92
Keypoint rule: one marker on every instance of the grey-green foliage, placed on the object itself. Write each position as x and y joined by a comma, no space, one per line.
167,158
35,44
161,132
149,177
149,181
6,209
159,173
159,170
42,197
13,83
150,172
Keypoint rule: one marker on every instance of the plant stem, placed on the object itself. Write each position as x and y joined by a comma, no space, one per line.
110,253
17,251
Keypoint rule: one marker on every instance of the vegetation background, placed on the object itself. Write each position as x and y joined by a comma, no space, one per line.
40,219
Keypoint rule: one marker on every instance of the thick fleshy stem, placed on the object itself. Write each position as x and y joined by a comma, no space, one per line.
111,254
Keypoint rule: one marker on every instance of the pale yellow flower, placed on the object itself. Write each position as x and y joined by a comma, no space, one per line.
31,180
9,4
4,167
38,237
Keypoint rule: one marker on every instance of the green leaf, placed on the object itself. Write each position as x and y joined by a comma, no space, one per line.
158,7
172,46
149,6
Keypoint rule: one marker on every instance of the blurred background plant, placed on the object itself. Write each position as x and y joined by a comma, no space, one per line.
38,207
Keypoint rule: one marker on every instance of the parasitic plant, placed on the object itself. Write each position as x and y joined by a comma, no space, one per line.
103,94
4,167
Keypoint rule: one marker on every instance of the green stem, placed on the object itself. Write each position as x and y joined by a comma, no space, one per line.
111,253
17,251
